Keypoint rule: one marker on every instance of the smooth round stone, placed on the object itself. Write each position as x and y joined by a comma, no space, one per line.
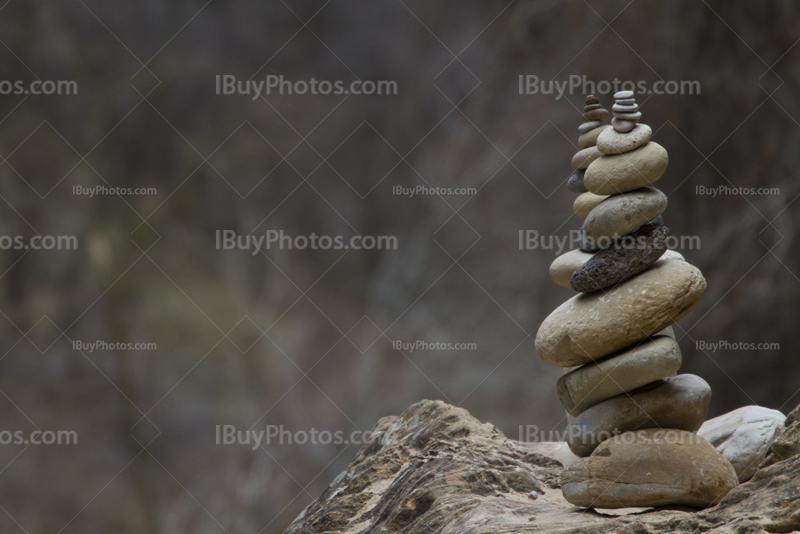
626,101
626,258
575,182
585,203
590,107
614,142
622,95
585,157
679,402
564,265
618,173
592,325
591,99
622,108
619,215
590,138
744,436
652,359
623,126
596,114
628,116
586,126
651,467
585,244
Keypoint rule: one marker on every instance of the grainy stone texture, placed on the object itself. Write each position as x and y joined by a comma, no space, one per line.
620,215
437,470
679,402
787,442
586,202
564,265
592,325
618,173
575,182
650,468
744,436
613,142
590,138
582,388
626,258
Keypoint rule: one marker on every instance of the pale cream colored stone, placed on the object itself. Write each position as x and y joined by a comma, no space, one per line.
585,157
564,265
586,202
618,173
613,142
590,138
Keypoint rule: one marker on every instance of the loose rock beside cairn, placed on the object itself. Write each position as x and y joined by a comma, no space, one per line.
632,419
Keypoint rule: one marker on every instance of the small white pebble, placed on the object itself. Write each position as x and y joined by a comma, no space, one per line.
533,495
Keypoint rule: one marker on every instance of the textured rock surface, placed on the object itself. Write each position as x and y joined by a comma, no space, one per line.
627,257
582,388
787,441
592,325
564,265
614,174
679,402
437,470
613,142
650,467
744,436
620,215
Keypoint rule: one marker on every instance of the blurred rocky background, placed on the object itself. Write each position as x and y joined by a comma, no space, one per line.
303,338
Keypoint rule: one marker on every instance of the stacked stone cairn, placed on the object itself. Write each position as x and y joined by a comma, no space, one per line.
632,420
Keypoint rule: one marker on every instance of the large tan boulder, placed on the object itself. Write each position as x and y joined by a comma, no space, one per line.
650,467
592,325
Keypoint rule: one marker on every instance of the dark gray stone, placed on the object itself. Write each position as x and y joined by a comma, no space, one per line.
627,257
575,182
587,245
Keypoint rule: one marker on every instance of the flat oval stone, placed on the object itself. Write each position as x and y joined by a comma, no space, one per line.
564,265
595,114
618,173
628,116
679,402
622,95
650,467
625,101
623,126
585,157
614,142
592,325
631,368
619,215
575,182
590,138
744,436
625,108
586,203
626,258
586,126
591,99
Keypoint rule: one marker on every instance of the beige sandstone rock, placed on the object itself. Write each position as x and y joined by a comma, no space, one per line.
590,326
650,468
677,402
659,357
585,157
586,202
620,215
613,174
590,138
613,142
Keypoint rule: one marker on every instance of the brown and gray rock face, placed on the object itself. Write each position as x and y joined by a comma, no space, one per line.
592,325
626,258
787,442
619,215
437,470
679,402
650,468
744,436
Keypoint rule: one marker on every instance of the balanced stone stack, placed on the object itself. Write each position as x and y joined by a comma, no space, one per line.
632,418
